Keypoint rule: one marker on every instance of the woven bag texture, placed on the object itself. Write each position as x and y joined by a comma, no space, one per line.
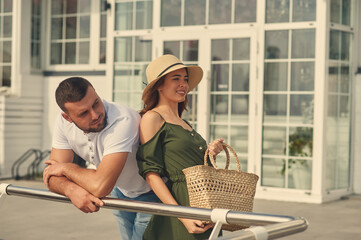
209,187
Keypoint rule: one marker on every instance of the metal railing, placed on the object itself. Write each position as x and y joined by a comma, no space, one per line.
263,226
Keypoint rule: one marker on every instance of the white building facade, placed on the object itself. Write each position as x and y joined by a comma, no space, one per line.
281,78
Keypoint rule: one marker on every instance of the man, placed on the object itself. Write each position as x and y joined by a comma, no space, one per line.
103,134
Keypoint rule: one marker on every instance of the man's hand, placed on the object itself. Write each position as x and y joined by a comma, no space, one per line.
85,201
53,169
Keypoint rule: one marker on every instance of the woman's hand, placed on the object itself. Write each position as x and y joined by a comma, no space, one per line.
195,226
215,147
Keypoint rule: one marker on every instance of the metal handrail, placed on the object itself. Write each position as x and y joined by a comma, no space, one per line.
274,225
16,165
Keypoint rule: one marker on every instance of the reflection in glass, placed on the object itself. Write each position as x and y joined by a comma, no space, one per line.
84,29
84,53
335,38
70,53
333,79
332,105
123,16
55,53
57,7
218,131
122,74
245,11
275,76
303,43
8,26
276,44
219,105
239,139
275,107
6,76
345,45
84,6
56,28
132,100
335,13
345,79
144,15
220,49
241,49
220,11
70,27
8,6
6,51
102,52
301,108
302,76
143,50
171,13
172,47
240,77
239,107
103,26
71,6
123,49
272,172
277,11
300,142
191,114
300,174
190,50
219,78
304,10
346,12
194,12
344,106
274,140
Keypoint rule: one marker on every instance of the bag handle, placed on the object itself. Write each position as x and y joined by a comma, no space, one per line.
225,148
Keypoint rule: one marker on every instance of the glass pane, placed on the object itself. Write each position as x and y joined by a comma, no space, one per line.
276,44
143,50
35,27
241,49
332,104
123,49
220,76
346,12
245,11
56,28
240,77
55,55
121,77
71,27
70,53
84,6
333,79
301,108
6,54
300,142
84,53
275,78
57,7
277,11
190,50
335,14
345,45
239,106
171,13
303,43
144,15
71,6
8,6
335,39
220,49
219,108
220,11
344,106
172,47
6,76
218,131
35,55
275,108
123,16
102,52
274,140
8,26
191,114
300,174
239,140
304,10
84,27
103,26
345,79
272,172
302,76
194,12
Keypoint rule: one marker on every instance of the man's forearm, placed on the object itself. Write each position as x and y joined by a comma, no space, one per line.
62,185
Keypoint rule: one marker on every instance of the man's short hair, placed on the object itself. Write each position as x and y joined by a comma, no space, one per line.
72,89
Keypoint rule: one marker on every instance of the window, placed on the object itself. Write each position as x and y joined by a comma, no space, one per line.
278,11
6,26
36,34
70,32
103,32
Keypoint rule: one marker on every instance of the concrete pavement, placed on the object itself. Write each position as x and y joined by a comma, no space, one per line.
34,219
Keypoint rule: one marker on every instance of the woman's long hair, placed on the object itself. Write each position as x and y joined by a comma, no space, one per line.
151,99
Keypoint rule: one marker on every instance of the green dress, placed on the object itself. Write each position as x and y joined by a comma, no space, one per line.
171,149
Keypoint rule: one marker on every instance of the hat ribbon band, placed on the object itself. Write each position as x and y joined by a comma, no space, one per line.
160,74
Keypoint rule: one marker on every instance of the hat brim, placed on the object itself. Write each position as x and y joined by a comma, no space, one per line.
195,74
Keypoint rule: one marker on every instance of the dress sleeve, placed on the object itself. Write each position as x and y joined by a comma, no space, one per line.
150,156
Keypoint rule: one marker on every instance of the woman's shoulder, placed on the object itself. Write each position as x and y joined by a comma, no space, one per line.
150,124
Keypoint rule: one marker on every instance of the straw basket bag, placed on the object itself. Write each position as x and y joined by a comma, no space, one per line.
210,187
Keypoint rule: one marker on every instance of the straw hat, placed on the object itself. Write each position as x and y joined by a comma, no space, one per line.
169,63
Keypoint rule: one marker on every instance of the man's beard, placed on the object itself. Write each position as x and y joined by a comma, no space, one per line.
95,129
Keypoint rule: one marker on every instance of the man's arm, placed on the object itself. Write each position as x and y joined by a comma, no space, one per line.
98,182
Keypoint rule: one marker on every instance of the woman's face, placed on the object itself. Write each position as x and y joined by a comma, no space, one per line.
175,87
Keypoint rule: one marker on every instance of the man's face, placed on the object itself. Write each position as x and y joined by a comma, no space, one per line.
88,114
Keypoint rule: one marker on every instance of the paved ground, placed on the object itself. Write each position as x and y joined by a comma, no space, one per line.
33,219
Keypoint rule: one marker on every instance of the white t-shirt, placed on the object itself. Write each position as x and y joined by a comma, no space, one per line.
121,134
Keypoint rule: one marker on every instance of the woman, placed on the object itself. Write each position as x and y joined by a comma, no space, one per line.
170,144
